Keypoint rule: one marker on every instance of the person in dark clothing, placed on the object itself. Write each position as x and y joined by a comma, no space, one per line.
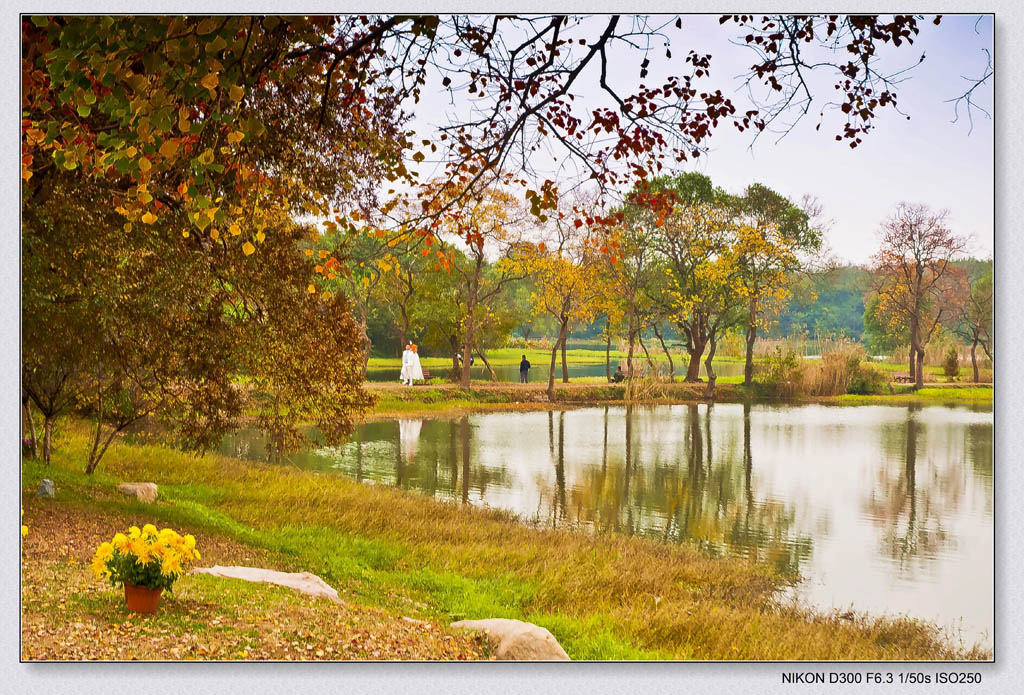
524,371
619,375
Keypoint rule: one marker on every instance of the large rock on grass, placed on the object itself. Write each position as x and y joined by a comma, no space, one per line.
144,492
46,489
515,640
300,581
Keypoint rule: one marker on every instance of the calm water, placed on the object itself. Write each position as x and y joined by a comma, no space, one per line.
539,372
883,509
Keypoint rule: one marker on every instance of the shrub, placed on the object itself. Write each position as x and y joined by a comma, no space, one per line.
951,363
784,374
868,380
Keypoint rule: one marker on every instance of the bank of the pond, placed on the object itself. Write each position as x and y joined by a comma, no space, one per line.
432,399
395,553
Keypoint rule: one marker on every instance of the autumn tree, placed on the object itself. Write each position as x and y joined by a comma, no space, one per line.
631,264
567,287
691,227
973,319
769,242
913,272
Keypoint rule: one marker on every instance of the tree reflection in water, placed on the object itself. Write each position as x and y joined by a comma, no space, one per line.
695,496
910,515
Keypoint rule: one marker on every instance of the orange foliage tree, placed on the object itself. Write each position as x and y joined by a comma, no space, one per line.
913,276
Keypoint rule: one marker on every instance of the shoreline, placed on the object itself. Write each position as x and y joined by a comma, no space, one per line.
606,596
395,400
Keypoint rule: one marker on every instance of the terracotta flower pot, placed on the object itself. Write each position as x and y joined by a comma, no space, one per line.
140,599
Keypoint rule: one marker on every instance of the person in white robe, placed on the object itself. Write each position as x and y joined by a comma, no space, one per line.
415,370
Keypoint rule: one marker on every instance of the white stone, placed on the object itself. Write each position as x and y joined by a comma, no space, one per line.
145,492
515,640
300,581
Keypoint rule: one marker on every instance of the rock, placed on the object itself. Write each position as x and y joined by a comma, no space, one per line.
300,581
515,640
145,492
46,489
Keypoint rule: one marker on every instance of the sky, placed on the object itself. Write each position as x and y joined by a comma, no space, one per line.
928,159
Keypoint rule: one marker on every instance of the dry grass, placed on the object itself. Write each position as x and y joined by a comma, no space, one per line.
68,615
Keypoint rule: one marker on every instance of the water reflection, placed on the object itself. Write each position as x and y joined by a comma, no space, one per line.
883,508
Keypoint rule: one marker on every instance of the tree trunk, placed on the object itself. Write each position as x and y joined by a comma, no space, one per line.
650,362
629,362
974,363
30,425
453,341
695,351
709,390
608,349
554,354
748,366
47,437
403,328
364,338
671,365
913,369
565,366
919,382
490,369
467,348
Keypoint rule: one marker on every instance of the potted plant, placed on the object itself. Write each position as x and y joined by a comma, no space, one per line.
146,562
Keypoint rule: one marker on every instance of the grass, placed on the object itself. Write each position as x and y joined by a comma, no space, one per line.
395,552
538,358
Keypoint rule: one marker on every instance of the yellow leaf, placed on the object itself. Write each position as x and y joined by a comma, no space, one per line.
169,148
235,229
235,136
248,248
206,157
311,288
260,236
131,151
214,234
145,165
237,92
149,218
210,81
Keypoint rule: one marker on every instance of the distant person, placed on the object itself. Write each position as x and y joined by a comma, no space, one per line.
524,371
619,375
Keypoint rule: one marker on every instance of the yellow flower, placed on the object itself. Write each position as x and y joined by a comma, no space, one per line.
171,564
120,541
196,555
190,541
134,533
149,530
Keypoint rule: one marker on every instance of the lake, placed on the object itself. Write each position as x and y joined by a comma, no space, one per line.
881,509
